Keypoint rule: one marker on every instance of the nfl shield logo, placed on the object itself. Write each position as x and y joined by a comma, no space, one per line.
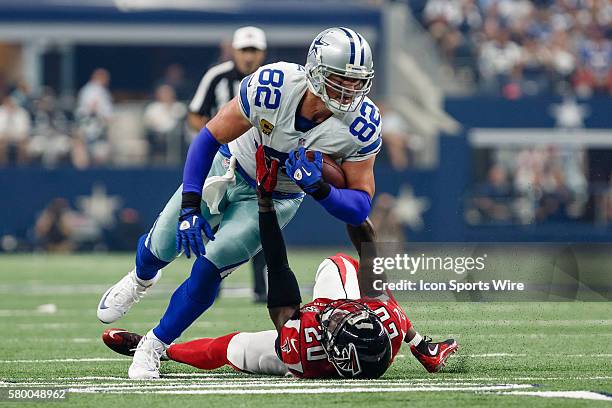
301,141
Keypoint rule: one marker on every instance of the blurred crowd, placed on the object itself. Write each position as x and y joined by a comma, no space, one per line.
45,129
531,185
523,47
62,228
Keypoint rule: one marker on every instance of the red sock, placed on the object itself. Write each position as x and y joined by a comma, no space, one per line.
206,354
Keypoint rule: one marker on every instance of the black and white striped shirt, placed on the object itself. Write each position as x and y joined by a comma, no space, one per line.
218,86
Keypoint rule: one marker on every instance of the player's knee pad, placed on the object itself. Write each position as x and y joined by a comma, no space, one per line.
328,270
254,353
204,281
336,278
270,364
147,264
236,351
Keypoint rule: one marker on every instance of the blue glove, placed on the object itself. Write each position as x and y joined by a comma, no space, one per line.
306,174
189,232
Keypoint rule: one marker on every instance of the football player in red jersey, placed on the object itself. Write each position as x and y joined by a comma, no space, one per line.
349,330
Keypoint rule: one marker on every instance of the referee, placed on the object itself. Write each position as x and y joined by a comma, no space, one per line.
219,85
221,82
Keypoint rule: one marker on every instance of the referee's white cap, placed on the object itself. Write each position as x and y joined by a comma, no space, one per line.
246,37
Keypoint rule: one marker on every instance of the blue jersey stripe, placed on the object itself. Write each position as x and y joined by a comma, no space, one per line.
371,147
225,151
244,101
348,34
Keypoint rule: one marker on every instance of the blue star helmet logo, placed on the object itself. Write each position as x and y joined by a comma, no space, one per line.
318,42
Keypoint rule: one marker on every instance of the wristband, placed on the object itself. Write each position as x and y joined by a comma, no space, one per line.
191,200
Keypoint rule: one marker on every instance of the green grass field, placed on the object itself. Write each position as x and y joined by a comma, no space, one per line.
506,348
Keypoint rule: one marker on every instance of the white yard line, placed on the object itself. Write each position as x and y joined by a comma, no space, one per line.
587,395
486,355
62,326
197,378
67,360
510,379
459,337
498,355
234,374
129,385
521,322
494,355
307,390
173,378
38,289
235,378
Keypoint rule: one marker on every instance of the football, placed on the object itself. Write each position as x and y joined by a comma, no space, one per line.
121,341
332,172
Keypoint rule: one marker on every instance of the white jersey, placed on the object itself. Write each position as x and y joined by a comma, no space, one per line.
269,99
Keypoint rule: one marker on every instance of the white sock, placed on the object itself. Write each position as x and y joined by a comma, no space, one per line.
152,335
416,340
145,282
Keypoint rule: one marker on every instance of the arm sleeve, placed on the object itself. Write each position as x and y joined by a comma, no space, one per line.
350,206
283,288
199,161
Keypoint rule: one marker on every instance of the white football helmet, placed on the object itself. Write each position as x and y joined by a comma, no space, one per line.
344,52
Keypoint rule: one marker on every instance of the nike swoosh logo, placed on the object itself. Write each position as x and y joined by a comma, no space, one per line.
434,351
307,173
113,332
102,304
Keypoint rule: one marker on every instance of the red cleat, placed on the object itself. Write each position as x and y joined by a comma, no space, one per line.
121,341
437,354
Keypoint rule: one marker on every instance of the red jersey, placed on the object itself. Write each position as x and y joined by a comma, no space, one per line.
300,345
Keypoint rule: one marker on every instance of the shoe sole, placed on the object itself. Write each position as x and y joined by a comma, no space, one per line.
447,353
143,378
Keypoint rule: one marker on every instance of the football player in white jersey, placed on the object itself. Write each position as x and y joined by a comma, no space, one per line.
349,330
288,109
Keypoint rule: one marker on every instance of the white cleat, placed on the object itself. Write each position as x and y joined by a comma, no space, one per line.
118,300
147,358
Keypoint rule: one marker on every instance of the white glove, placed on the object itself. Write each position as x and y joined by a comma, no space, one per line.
216,186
